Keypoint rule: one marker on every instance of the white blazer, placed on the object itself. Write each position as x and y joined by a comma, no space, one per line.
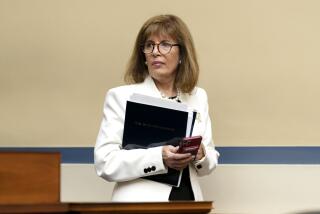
126,167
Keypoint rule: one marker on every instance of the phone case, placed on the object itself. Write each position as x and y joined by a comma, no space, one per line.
190,145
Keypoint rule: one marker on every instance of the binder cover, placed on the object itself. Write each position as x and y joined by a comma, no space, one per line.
146,124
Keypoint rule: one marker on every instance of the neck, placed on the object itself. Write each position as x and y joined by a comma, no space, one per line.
166,88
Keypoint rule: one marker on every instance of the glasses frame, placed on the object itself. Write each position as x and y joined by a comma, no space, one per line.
158,44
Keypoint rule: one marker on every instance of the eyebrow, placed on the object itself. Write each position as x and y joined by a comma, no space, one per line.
165,40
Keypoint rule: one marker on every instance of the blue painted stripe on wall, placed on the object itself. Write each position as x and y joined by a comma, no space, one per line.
228,155
269,155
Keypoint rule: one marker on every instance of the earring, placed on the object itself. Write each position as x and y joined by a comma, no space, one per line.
180,61
146,62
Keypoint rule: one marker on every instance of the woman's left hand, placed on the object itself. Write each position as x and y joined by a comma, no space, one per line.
200,153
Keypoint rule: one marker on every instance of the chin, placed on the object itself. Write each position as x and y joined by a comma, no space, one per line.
161,72
160,75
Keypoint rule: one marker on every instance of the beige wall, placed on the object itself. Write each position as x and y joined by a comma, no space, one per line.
259,65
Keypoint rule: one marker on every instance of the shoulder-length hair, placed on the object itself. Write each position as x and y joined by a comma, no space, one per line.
168,25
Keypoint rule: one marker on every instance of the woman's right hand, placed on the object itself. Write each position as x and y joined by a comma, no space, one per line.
175,160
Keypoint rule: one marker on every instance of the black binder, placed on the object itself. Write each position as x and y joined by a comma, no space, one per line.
148,124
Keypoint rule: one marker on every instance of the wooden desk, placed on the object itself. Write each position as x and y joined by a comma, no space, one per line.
147,207
34,208
29,178
108,208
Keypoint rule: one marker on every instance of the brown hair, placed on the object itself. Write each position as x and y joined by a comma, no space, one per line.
188,70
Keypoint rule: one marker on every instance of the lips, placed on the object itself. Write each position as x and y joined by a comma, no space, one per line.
157,63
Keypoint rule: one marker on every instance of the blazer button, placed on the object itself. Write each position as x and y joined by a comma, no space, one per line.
145,170
153,168
199,166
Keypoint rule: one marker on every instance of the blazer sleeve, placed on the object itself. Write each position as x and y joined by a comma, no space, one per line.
209,162
111,161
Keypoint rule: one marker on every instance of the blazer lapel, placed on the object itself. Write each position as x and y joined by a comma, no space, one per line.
148,87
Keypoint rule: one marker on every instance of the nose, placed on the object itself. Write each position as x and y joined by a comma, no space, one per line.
155,50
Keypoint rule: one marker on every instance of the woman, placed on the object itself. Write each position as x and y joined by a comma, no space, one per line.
163,64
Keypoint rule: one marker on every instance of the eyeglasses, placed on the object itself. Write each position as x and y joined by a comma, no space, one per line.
163,47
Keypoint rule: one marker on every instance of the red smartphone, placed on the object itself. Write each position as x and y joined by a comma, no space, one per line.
190,145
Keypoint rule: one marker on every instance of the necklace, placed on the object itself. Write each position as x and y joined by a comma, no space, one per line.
176,98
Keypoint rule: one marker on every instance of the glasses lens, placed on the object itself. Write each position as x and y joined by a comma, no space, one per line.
148,47
164,47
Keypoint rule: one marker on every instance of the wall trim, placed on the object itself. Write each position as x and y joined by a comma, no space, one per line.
228,155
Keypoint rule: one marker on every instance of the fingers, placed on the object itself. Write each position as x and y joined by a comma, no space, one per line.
181,164
200,153
175,160
177,156
170,152
172,149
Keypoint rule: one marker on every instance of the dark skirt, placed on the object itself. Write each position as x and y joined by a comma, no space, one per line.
184,191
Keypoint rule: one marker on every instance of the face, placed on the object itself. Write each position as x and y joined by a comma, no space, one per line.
162,67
